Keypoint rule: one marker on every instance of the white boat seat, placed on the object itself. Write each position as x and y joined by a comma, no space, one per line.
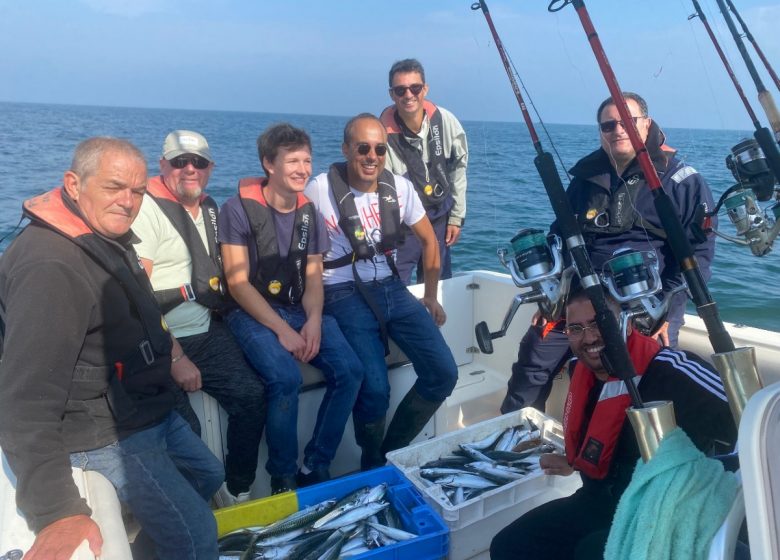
725,540
759,441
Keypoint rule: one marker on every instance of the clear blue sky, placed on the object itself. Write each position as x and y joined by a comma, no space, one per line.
332,57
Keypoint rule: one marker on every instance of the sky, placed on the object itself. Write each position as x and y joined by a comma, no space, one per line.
332,58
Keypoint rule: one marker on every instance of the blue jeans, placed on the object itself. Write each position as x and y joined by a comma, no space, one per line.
411,327
166,475
282,377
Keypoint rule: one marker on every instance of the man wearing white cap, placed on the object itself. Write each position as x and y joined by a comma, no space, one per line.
177,227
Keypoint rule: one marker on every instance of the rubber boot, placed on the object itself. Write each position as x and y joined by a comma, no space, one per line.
410,417
369,438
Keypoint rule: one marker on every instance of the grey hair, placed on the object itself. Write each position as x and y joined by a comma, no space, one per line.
351,124
87,156
627,95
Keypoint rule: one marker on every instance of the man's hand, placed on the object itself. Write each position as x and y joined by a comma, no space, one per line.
60,540
452,235
553,463
312,334
538,319
662,334
435,309
293,342
186,375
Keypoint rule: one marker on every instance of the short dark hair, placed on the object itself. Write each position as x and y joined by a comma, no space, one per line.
280,135
351,123
627,95
404,67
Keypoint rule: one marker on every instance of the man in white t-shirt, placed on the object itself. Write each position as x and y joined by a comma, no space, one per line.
366,296
178,247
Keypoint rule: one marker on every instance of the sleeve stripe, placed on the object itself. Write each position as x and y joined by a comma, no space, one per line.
704,377
683,174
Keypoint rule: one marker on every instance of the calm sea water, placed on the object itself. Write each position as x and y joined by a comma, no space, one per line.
504,194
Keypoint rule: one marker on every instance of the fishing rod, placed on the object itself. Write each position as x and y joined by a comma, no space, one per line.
665,207
752,40
615,354
753,168
764,96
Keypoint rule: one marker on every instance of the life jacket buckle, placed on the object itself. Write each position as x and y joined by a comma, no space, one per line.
601,220
188,292
146,352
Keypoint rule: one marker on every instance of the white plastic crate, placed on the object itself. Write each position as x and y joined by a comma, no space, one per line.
475,522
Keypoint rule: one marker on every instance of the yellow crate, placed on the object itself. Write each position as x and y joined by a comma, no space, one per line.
256,512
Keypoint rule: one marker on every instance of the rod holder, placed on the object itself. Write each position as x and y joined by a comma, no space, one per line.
651,424
739,373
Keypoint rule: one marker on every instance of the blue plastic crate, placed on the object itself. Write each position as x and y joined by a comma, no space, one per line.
416,516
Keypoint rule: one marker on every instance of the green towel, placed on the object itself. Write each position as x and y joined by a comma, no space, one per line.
674,505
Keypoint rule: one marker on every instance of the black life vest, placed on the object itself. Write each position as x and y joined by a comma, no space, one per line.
206,284
349,219
431,181
151,357
282,280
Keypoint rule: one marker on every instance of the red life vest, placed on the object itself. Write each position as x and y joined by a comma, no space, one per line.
283,280
592,454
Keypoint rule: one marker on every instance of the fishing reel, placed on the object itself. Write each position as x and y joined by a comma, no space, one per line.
633,280
755,181
537,263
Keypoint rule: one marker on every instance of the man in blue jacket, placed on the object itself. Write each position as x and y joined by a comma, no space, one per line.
615,210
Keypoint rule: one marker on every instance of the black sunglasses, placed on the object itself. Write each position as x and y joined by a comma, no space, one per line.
379,149
400,91
198,162
609,126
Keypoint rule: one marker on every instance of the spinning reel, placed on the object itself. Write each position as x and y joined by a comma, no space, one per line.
633,280
537,263
755,181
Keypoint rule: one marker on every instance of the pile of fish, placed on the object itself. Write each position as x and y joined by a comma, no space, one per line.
502,457
332,529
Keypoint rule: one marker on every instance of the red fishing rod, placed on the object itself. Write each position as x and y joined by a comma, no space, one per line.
752,40
615,353
667,213
762,134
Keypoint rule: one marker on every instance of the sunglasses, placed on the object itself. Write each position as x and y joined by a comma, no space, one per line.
400,91
609,126
197,162
379,149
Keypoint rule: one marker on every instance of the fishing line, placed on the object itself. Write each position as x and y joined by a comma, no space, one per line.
13,231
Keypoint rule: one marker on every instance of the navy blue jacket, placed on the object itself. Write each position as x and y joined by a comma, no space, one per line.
595,182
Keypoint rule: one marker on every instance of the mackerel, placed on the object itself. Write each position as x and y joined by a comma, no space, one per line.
298,519
392,532
354,515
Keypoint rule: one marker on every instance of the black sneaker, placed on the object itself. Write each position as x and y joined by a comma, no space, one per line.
314,477
281,484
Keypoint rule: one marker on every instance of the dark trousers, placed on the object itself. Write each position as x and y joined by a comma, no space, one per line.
228,377
409,255
573,527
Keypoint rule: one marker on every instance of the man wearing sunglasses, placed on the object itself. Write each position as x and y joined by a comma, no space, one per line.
177,231
428,146
599,441
364,206
615,209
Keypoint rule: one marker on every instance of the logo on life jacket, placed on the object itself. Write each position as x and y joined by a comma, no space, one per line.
428,189
590,214
436,134
633,180
274,287
304,239
215,284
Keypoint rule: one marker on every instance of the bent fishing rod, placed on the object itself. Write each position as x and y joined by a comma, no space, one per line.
764,96
752,40
615,354
665,207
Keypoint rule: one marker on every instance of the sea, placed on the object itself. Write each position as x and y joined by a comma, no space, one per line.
505,193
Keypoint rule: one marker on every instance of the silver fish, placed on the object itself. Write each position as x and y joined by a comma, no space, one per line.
298,519
474,453
504,442
392,532
356,514
487,442
467,481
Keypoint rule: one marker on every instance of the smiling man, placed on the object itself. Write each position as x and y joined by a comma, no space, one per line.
86,370
177,231
615,209
427,145
600,443
364,206
272,246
